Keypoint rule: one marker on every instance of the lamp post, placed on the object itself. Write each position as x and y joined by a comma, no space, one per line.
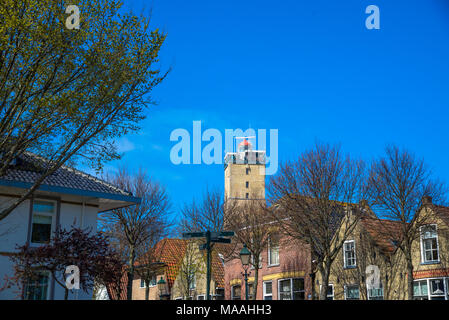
162,289
245,256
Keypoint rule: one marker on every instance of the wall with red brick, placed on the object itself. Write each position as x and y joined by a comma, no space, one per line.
294,262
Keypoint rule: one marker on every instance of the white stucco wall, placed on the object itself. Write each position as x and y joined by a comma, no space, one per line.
14,230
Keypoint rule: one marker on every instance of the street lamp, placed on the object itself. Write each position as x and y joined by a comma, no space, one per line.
245,256
162,288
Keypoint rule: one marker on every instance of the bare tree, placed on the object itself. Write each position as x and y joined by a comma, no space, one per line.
253,226
141,226
207,215
398,183
314,196
193,266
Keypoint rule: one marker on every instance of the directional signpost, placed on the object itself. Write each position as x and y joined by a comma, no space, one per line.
211,237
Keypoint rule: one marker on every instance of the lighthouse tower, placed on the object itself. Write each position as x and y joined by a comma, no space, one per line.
245,173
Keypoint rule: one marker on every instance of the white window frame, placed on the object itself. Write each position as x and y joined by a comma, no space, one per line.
368,293
429,287
346,291
155,282
52,215
150,285
232,291
344,255
423,255
192,284
330,285
265,294
269,255
291,287
444,294
427,284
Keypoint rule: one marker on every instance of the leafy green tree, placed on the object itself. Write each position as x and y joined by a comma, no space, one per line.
66,95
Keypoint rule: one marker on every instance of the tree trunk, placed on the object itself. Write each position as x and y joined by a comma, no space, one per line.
130,273
256,281
324,271
312,287
408,257
147,290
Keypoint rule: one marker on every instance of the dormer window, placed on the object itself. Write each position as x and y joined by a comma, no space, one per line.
429,244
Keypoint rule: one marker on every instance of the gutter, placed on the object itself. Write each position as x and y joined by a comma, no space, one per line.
72,191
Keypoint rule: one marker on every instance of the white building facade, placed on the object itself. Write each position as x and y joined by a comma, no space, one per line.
67,198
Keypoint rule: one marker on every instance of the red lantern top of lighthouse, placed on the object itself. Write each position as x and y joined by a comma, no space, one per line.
244,145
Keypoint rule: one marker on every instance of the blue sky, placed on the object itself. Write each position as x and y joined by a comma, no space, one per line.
310,69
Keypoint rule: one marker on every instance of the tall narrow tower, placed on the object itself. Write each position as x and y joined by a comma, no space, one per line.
245,173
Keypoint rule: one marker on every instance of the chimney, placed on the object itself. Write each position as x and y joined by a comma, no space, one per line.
426,200
363,203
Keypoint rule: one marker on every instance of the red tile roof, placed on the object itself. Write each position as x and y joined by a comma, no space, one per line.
217,267
167,251
170,252
383,232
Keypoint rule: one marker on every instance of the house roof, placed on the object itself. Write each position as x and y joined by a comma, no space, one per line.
217,267
384,232
170,252
66,180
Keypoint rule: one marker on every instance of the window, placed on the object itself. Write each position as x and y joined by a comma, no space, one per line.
349,254
200,297
273,251
437,289
250,291
330,292
291,289
37,287
253,263
219,294
247,171
192,279
352,292
152,282
247,196
236,292
429,244
247,184
376,294
447,288
268,290
42,221
420,291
